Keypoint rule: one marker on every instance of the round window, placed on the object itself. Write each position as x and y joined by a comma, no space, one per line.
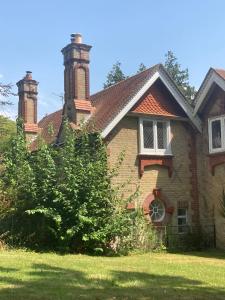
157,210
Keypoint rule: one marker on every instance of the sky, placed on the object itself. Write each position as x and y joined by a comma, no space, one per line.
32,34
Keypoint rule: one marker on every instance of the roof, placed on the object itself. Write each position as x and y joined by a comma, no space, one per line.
110,101
212,78
158,101
221,72
49,128
112,104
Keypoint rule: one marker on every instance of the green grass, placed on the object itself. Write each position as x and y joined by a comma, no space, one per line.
27,275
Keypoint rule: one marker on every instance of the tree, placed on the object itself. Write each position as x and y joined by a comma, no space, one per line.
7,130
180,77
7,126
5,93
115,75
141,68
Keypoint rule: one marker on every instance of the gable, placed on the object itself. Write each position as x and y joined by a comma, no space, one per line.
214,78
158,101
133,94
215,104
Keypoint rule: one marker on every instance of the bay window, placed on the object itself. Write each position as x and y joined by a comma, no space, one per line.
154,137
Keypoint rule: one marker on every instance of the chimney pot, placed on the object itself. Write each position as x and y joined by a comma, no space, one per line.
28,75
76,38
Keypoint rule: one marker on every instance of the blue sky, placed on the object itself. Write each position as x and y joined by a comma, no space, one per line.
34,32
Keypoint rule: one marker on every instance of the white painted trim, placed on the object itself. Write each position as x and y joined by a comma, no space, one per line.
213,78
154,150
182,102
129,105
176,94
222,122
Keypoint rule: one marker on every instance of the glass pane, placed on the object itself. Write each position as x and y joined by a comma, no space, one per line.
157,210
161,135
181,221
148,134
181,212
216,134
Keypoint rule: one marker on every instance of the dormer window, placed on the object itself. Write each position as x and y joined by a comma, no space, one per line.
217,134
154,136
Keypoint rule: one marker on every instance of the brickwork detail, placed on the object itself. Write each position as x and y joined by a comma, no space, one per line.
153,160
194,177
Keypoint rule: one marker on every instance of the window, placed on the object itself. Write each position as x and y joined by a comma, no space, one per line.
157,210
154,137
217,134
182,220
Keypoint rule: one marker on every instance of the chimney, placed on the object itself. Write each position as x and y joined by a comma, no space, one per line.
27,108
76,79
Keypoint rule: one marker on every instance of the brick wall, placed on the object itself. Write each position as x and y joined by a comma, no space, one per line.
176,188
211,187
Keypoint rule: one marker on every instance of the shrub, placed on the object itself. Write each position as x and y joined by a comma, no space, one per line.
61,198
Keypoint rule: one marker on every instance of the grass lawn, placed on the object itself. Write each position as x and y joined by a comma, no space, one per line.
28,275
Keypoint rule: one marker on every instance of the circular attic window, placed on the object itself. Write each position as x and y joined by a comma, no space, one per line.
157,210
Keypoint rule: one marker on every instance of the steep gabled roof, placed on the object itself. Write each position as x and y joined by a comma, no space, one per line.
49,126
212,78
158,102
110,101
112,104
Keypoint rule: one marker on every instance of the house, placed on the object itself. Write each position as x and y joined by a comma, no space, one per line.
174,152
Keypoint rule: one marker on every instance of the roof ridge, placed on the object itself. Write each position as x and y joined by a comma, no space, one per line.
52,113
130,77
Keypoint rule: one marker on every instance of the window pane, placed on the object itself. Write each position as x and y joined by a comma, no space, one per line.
181,212
157,210
216,134
161,135
148,134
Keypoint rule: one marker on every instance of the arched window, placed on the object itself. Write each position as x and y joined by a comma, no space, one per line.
81,83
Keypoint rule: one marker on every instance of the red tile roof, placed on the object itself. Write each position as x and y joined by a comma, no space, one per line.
31,127
158,101
48,128
107,103
221,72
83,105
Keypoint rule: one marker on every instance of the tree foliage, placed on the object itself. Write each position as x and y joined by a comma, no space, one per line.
141,68
180,77
115,75
62,198
5,93
7,130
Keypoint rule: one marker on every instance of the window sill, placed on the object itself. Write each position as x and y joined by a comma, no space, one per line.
155,154
146,160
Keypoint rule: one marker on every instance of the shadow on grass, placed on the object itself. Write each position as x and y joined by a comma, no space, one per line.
47,283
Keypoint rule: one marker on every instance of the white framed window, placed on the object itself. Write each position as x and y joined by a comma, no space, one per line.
154,136
216,129
182,220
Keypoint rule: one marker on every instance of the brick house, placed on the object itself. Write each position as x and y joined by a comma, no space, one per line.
174,152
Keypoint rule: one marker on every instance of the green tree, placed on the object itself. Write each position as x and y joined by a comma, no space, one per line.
7,131
180,77
141,68
115,75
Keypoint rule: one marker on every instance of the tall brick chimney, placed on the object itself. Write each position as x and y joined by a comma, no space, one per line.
76,79
27,108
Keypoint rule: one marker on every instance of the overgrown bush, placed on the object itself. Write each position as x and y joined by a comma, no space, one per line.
61,198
